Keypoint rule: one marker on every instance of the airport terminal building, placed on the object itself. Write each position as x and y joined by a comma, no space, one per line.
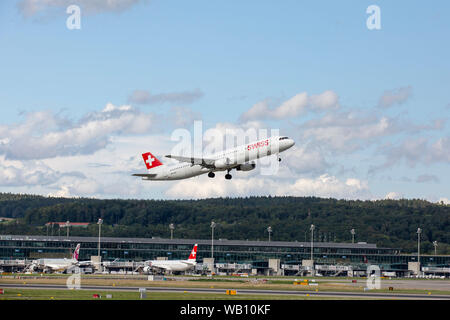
256,254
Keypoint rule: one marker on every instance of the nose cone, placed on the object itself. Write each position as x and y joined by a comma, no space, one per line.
290,143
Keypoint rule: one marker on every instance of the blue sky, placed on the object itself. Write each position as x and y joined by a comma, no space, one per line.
236,54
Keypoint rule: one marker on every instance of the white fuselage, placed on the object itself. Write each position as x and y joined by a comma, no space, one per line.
234,156
172,265
56,264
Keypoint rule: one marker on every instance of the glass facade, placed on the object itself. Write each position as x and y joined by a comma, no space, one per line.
225,251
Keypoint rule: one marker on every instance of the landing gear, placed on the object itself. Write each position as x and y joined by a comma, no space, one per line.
279,159
228,176
211,175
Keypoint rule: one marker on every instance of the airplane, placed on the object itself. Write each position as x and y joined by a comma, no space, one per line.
240,158
173,265
59,264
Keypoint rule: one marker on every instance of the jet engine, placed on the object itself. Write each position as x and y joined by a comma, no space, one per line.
146,269
223,163
246,166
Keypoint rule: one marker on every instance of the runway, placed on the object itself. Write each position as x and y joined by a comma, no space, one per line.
349,295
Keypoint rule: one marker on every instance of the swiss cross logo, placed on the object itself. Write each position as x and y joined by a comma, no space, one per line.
193,253
150,160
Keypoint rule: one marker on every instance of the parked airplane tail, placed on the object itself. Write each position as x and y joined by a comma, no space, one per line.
150,160
76,252
193,255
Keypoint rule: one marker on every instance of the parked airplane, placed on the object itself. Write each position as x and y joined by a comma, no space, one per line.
173,265
240,158
59,264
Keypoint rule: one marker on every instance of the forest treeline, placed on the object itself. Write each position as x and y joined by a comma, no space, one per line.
388,223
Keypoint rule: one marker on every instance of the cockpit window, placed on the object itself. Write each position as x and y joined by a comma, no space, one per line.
283,138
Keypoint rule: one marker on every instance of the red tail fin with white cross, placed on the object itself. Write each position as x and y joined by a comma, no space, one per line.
150,160
193,255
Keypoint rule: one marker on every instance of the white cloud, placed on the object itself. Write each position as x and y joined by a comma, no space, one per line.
45,135
396,96
325,101
329,186
236,129
123,156
48,152
322,186
96,187
346,131
30,8
423,178
184,97
30,173
259,110
440,150
63,192
182,116
393,196
292,107
305,159
418,150
444,200
107,172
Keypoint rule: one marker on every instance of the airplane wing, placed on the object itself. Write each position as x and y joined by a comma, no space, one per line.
160,267
53,266
84,263
189,264
207,163
149,175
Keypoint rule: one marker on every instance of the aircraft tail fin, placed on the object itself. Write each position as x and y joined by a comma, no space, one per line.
76,252
151,161
193,255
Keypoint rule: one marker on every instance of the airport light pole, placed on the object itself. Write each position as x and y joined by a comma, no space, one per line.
213,225
269,230
99,222
353,235
419,231
435,246
171,227
312,240
67,226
